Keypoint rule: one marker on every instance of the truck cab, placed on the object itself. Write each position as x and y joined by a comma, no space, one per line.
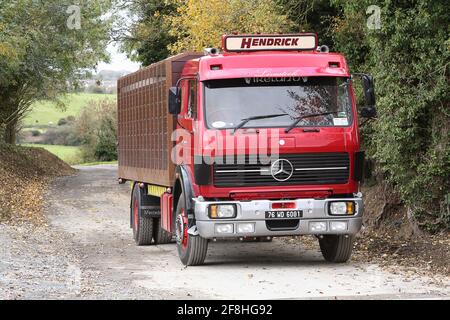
266,144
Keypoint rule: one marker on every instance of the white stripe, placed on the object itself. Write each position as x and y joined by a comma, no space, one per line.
256,170
328,168
299,169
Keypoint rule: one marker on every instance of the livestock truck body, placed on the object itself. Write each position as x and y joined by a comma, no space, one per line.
254,141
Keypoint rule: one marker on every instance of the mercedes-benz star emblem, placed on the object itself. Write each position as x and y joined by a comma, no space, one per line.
281,170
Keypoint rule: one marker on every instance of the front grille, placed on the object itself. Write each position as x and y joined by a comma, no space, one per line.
307,169
278,225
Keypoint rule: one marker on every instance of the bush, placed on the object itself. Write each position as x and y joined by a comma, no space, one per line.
106,148
35,133
95,88
97,128
63,135
62,122
409,58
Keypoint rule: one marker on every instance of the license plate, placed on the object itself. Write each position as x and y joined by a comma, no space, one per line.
288,214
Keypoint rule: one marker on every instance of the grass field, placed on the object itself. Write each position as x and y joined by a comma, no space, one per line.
71,155
44,112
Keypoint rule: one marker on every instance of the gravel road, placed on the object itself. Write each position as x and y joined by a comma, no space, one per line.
87,252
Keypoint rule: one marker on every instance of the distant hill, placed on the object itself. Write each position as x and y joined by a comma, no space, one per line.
105,81
110,75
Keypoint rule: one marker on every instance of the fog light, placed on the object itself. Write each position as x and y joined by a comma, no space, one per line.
218,211
223,228
317,226
246,227
341,208
338,225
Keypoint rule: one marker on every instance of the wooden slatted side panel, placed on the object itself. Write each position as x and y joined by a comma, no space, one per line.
144,124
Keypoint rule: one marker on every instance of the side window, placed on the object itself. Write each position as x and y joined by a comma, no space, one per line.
192,99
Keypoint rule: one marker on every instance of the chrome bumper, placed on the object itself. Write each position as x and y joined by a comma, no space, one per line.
254,212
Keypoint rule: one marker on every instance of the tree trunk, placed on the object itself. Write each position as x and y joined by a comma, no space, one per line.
413,223
10,132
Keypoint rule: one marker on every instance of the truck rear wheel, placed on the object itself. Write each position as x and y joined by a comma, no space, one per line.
191,249
160,235
336,248
142,226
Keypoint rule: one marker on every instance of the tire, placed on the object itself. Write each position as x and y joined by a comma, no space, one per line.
142,226
336,248
160,235
191,249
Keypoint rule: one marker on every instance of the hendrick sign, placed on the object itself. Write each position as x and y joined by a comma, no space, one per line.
306,41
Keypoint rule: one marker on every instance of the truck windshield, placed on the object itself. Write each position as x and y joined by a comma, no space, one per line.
230,101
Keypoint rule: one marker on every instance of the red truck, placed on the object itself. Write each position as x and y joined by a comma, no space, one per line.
257,140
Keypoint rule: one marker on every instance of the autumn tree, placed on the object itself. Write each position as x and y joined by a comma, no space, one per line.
165,27
201,24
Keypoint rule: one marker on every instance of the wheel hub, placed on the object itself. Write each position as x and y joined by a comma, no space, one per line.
181,229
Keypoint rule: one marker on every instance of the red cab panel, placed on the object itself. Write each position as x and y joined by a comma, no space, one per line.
166,211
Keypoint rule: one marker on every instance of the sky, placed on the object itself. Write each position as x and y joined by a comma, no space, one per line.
119,61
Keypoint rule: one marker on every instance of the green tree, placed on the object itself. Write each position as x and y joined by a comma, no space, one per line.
148,39
44,52
312,15
409,58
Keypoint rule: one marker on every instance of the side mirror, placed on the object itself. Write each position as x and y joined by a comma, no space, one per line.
174,100
369,110
369,90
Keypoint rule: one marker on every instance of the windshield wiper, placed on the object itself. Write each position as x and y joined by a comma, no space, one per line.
292,126
267,116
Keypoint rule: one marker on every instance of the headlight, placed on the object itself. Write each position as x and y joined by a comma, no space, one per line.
338,225
340,208
222,211
317,226
246,227
223,228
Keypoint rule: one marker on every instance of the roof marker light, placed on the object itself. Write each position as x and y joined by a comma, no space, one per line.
211,51
216,67
323,49
334,64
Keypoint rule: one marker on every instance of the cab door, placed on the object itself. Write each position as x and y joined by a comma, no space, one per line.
188,117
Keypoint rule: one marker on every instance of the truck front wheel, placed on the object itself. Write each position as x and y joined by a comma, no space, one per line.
142,226
336,248
192,249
